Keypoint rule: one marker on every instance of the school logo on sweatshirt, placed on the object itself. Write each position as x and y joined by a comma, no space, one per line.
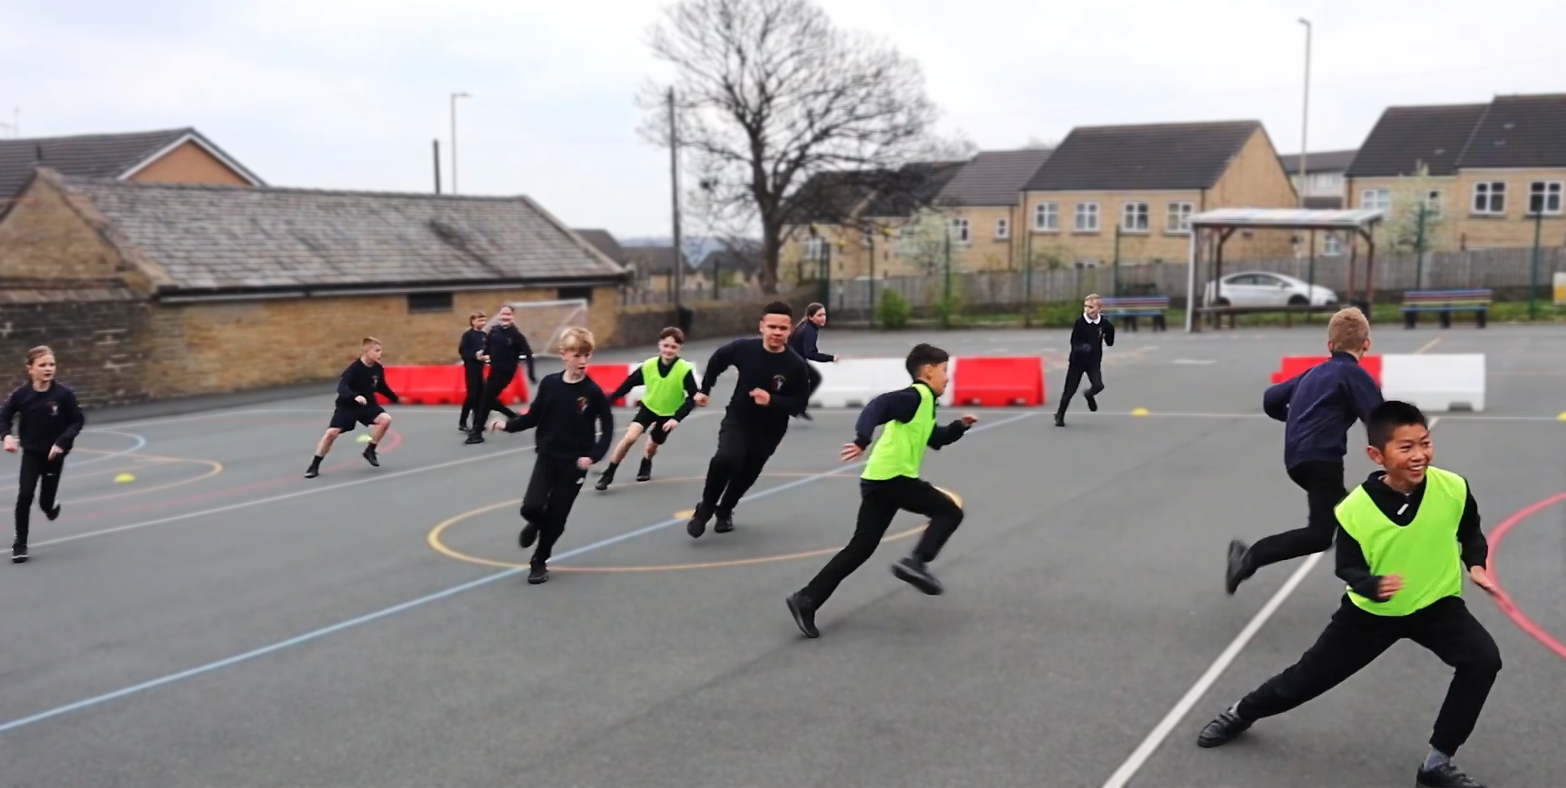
581,404
54,408
375,380
777,383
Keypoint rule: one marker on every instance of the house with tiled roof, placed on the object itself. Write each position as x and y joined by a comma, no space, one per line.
164,156
652,268
226,288
1322,187
1128,192
1493,171
983,201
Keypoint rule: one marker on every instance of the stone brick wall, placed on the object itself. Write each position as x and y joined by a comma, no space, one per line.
639,324
99,336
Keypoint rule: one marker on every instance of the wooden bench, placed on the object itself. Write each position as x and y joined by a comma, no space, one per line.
1133,307
1445,303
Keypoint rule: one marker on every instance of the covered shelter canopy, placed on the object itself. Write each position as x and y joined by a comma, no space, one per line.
1218,224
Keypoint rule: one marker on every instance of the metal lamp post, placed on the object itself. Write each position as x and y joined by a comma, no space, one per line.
454,98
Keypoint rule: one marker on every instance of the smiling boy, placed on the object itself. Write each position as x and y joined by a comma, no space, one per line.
667,398
1407,536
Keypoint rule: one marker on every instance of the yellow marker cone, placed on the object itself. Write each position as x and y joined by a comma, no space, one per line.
124,478
364,439
1139,412
1561,417
685,514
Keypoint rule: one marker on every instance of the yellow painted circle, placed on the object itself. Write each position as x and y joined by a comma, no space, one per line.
435,542
213,468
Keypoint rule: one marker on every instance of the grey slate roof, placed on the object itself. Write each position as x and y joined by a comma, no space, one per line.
651,259
993,177
604,242
244,239
88,156
911,187
1318,161
1161,157
832,196
1406,136
1520,132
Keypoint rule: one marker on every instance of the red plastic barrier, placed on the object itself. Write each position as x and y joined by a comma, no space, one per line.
609,377
396,380
1294,365
991,382
433,385
516,393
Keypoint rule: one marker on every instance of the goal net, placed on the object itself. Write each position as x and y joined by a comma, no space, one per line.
543,322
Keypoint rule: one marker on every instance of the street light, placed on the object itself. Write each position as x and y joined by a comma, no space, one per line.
454,98
1305,115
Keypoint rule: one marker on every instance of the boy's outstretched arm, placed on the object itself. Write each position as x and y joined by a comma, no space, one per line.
605,428
631,381
535,409
690,397
1275,403
721,360
900,405
947,434
1354,570
1476,547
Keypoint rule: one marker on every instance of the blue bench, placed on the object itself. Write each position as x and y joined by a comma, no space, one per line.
1445,303
1133,307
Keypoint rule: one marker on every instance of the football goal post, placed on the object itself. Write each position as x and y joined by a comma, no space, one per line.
542,322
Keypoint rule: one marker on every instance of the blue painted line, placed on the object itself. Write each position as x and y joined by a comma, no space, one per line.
420,602
140,443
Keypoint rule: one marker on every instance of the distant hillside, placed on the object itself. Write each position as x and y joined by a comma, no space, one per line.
696,248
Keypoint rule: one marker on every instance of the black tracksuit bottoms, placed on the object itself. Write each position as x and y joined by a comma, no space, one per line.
499,379
551,492
743,451
1323,486
879,502
1354,638
1074,371
473,377
38,471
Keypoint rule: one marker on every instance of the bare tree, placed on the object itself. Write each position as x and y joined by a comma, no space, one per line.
770,92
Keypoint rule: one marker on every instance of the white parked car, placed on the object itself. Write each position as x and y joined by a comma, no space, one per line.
1264,288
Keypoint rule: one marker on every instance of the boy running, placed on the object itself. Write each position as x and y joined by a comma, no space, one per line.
51,419
1319,406
1089,335
890,482
670,383
356,404
1409,534
565,410
504,349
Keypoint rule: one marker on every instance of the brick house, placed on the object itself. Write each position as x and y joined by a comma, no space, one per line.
168,156
845,218
151,291
1323,188
984,202
1490,168
1131,190
825,209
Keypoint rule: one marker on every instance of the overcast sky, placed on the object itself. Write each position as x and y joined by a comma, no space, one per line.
349,94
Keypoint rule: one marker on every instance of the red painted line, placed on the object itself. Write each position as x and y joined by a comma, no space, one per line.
392,441
1509,608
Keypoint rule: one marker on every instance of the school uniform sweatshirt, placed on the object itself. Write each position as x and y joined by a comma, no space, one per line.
565,415
50,417
362,380
506,348
803,341
1354,570
782,375
470,346
1319,406
1088,338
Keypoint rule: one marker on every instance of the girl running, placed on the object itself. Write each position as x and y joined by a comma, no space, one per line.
50,421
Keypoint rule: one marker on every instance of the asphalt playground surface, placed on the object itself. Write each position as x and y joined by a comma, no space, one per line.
220,620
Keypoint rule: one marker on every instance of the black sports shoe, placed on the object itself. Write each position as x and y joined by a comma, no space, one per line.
605,479
804,612
313,471
725,523
462,426
537,574
698,523
1222,730
1239,566
369,456
1092,402
1445,776
912,571
53,514
644,472
19,554
529,535
476,436
1060,419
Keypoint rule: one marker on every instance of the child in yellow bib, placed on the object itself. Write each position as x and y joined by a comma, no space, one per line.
670,385
1406,538
890,482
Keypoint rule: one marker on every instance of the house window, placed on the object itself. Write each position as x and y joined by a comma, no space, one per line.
1179,220
960,230
1490,198
1433,201
1002,229
815,248
428,302
1544,197
1082,265
1332,245
575,294
1133,217
1046,217
1086,217
1376,199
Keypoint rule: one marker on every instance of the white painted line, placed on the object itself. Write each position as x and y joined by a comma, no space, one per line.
1193,361
1149,745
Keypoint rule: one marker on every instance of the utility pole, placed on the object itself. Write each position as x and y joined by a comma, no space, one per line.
1305,118
437,165
674,187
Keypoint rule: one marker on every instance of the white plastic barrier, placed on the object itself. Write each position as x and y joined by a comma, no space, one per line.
853,382
634,396
1434,382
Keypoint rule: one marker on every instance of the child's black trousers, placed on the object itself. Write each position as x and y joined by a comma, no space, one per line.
38,473
879,502
1354,638
551,492
1323,486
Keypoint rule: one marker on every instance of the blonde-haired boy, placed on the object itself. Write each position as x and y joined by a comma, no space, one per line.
566,410
1319,406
